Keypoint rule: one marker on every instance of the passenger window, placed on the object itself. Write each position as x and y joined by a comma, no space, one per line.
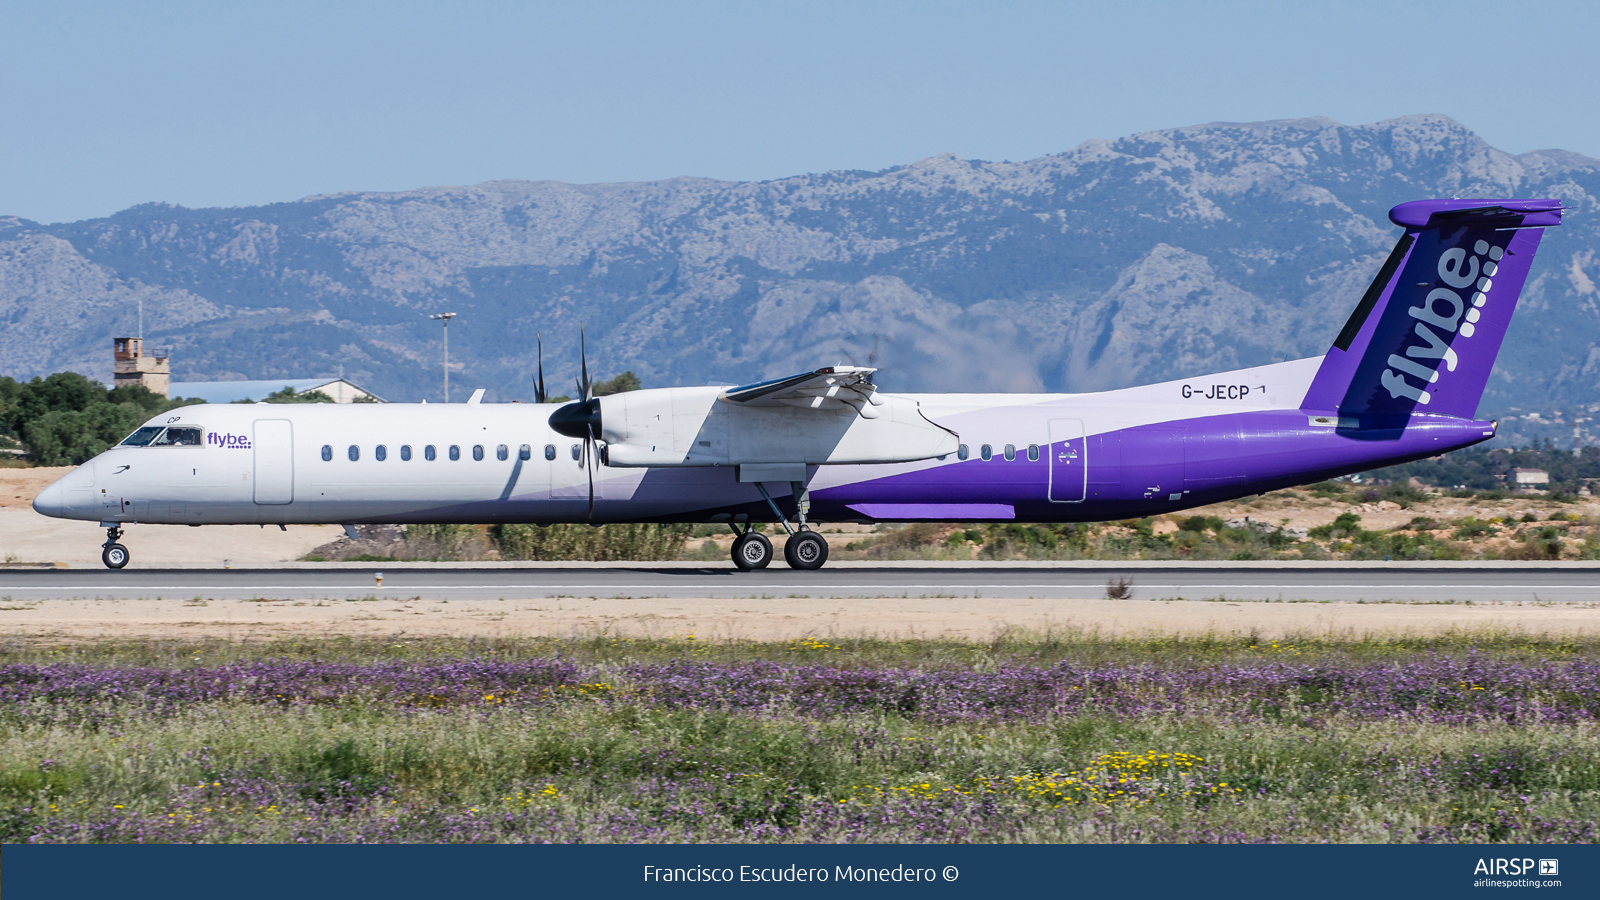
327,452
962,452
429,454
986,453
405,452
525,452
577,451
501,453
142,437
455,452
1011,452
178,437
1033,453
354,453
549,451
380,452
477,452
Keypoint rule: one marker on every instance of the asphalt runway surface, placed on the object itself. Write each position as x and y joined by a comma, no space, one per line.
1411,583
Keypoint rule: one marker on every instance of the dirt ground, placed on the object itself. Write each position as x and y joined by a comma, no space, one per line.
1306,511
765,620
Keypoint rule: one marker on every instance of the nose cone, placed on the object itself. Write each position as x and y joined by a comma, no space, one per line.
52,501
71,497
577,420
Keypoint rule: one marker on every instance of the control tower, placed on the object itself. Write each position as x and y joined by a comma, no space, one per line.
137,364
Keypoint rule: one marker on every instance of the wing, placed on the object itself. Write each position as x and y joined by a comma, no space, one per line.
832,389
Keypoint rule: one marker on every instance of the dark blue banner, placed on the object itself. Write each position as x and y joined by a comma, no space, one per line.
1121,871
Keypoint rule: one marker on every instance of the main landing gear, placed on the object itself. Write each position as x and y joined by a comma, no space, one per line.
113,554
751,550
805,549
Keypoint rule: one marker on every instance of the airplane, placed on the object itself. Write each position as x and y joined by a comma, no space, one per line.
1402,381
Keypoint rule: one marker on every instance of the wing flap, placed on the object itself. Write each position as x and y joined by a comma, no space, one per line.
831,389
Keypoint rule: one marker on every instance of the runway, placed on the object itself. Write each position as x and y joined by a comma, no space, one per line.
1331,583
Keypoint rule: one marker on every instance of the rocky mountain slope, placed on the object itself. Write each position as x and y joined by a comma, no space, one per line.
1158,255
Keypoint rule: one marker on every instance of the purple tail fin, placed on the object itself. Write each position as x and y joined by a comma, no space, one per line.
1426,333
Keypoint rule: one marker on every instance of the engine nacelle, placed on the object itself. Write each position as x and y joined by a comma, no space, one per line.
690,427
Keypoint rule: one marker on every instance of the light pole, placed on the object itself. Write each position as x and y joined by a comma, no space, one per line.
445,318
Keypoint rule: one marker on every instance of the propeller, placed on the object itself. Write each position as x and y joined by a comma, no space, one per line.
538,381
582,419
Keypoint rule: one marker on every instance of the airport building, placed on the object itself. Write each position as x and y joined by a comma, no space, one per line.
1530,479
134,363
340,390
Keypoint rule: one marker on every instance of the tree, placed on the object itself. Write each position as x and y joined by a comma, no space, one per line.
627,381
63,391
64,419
10,392
288,395
67,437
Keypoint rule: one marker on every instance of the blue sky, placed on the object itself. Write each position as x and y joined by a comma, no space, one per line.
105,105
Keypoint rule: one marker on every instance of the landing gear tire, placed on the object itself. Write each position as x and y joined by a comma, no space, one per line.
805,550
115,556
752,550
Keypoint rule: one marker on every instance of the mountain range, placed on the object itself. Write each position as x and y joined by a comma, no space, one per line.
1157,255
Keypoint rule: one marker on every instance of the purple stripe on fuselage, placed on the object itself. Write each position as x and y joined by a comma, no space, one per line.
1138,471
941,512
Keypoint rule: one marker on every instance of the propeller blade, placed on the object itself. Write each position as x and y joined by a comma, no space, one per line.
538,385
588,466
583,360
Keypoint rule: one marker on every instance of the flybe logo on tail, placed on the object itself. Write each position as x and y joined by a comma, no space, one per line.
1444,310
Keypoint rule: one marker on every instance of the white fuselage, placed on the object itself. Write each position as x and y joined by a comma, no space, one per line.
292,463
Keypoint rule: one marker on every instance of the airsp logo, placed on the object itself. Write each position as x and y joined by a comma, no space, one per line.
1501,866
1443,309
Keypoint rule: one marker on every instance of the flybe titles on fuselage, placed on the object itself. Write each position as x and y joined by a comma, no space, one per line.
1443,312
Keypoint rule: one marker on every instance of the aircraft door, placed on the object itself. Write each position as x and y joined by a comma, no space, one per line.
273,444
1069,461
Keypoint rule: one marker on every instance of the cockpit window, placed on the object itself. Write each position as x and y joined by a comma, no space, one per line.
179,436
141,437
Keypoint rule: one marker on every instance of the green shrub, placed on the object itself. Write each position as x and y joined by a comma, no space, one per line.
1472,527
1201,524
1343,525
443,541
595,543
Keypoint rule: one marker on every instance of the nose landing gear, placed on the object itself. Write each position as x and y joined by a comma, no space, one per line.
113,554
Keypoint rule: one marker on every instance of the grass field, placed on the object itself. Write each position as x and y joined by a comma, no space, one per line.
1071,737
